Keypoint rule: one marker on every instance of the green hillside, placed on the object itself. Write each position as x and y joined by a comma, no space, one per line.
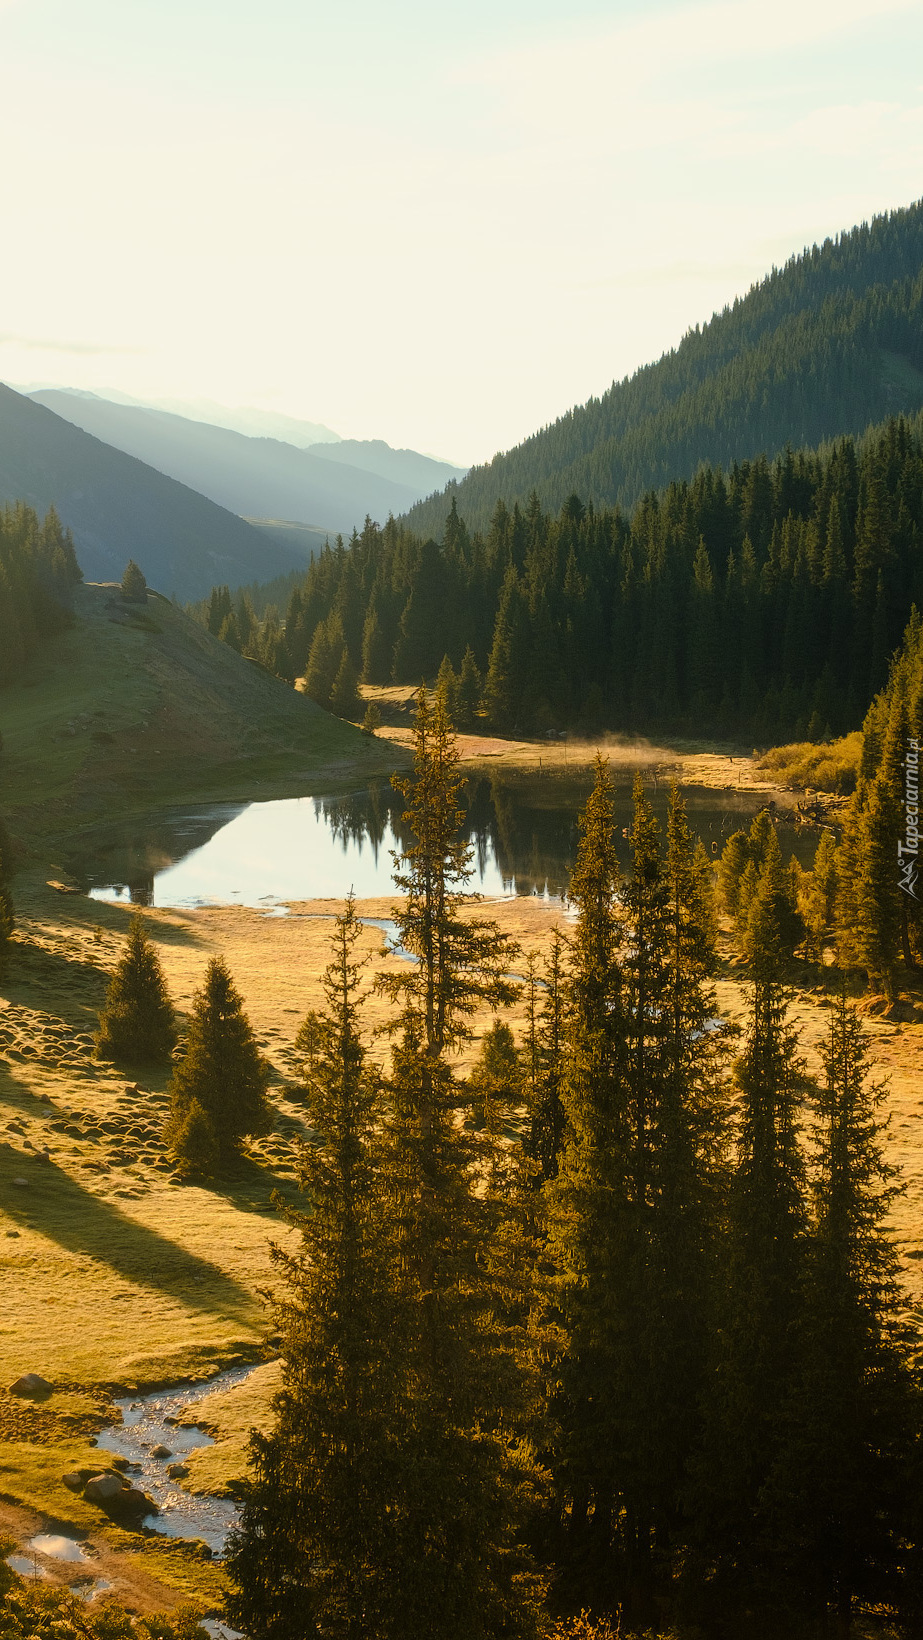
131,708
827,345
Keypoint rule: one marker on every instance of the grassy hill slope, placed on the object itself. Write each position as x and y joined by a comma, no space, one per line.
118,508
134,708
827,345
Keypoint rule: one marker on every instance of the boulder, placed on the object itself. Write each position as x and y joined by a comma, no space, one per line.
161,1451
177,1471
31,1385
73,1481
103,1489
114,1494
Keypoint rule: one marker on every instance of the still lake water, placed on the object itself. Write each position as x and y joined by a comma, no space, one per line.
523,833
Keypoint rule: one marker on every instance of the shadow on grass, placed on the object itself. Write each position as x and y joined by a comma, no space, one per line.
251,1184
39,978
58,1207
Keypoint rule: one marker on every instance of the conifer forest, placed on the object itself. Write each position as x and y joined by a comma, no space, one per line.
613,1325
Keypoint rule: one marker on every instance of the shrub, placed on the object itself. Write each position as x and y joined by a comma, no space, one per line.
830,768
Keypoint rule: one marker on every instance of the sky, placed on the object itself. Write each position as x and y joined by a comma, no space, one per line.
433,223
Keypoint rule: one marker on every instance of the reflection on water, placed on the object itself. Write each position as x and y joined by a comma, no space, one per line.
523,833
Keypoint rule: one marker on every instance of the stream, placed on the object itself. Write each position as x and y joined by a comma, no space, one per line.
148,1426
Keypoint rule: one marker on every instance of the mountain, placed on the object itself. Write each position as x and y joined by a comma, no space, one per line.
241,418
827,345
119,508
256,477
421,473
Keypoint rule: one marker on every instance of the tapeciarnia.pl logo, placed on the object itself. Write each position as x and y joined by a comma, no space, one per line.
909,848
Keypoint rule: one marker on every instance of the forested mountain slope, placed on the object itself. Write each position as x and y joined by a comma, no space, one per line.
119,508
764,602
827,345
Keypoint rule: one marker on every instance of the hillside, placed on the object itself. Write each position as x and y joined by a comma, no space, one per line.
132,708
827,345
256,477
119,508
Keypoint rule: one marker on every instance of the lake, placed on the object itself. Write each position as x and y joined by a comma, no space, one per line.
523,832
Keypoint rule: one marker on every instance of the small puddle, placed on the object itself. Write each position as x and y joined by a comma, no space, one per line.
57,1547
89,1591
148,1425
26,1566
219,1630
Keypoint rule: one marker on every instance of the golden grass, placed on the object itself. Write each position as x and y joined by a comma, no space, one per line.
830,768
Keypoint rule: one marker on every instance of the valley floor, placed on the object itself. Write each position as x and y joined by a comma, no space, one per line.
117,1277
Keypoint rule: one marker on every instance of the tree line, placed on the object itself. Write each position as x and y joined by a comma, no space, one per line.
829,344
765,602
38,574
611,1324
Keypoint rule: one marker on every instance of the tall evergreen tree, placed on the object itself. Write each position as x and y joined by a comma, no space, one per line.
462,1485
758,1355
313,1552
542,1055
592,1218
838,1500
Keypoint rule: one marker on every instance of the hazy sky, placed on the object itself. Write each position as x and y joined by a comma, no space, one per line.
439,224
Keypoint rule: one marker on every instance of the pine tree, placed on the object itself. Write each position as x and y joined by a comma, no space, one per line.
542,1059
221,1069
837,1502
469,690
371,723
447,689
134,586
463,1482
495,1083
820,899
137,1023
591,1212
313,1552
757,1356
344,696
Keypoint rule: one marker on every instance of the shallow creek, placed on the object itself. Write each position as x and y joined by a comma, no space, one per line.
149,1426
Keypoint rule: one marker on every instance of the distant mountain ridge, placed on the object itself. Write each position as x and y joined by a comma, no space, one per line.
331,487
827,345
119,508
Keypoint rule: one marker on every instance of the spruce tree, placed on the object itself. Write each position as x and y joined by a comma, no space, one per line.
469,690
313,1551
591,1212
459,1567
757,1357
134,586
542,1059
222,1070
447,689
137,1024
838,1499
344,696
